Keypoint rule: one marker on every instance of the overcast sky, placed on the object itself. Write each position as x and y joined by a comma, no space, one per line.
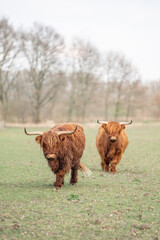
129,26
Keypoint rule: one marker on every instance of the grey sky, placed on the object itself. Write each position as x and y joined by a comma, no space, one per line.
131,27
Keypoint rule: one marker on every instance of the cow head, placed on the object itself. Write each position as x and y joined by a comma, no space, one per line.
50,141
113,129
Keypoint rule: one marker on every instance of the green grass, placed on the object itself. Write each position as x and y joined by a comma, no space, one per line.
105,206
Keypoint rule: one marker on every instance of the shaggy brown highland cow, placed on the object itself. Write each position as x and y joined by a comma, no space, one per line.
111,143
63,147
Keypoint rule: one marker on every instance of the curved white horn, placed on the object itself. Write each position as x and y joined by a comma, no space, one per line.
32,133
126,123
67,132
101,122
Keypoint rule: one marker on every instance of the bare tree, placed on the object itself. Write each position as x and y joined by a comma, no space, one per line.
72,95
42,47
109,82
19,102
119,73
134,95
81,89
86,61
155,98
8,55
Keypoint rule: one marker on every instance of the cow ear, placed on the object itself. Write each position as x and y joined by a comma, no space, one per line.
104,126
123,126
38,139
62,138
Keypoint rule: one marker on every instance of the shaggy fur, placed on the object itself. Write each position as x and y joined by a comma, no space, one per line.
111,152
67,149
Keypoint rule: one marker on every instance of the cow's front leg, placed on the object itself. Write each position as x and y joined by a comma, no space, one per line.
114,163
106,166
59,179
113,166
103,163
74,175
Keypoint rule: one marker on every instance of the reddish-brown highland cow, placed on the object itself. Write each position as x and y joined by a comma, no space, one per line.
111,143
63,147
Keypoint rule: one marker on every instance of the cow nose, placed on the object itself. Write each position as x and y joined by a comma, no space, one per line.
51,156
113,138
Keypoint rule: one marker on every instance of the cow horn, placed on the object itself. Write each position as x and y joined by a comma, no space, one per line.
66,132
101,122
32,133
126,123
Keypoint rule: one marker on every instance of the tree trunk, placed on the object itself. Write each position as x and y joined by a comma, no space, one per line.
117,110
84,112
71,105
118,101
37,114
4,102
106,106
128,110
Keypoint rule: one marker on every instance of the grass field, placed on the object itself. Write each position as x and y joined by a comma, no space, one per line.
105,206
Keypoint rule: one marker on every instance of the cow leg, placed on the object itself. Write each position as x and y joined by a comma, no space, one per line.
114,163
106,166
113,166
59,179
102,163
74,175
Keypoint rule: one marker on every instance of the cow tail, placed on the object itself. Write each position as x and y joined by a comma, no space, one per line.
86,171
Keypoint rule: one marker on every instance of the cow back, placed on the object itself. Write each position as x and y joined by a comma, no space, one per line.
71,145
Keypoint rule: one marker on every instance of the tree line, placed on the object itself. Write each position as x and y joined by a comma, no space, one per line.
41,78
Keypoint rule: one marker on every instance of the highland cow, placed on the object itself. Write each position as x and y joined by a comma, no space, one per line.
111,143
63,146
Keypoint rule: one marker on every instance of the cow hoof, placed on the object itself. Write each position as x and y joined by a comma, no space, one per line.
56,187
72,183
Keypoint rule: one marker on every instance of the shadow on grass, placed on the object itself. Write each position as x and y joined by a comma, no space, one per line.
38,185
120,171
32,184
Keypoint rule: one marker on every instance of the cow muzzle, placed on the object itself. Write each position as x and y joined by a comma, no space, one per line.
51,157
112,139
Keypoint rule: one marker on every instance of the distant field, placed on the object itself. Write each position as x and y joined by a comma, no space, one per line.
105,206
